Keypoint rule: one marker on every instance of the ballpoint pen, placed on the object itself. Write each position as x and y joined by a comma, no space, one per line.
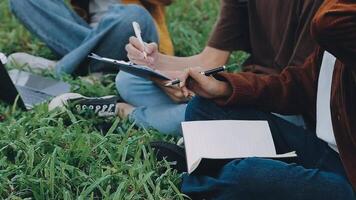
137,30
206,73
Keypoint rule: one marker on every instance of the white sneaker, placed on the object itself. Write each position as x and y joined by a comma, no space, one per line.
3,58
33,62
102,106
181,142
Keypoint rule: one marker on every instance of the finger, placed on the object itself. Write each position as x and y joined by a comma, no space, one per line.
177,96
133,58
175,93
199,91
194,87
136,43
151,47
188,94
195,74
183,78
191,94
136,61
150,61
134,52
141,61
185,92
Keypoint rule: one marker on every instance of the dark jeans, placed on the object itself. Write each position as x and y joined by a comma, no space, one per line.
316,174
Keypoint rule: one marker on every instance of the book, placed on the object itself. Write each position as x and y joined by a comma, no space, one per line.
228,139
137,70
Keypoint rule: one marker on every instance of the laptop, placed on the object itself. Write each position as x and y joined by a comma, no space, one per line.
28,89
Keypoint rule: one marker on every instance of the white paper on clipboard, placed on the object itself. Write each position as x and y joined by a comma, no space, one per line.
128,67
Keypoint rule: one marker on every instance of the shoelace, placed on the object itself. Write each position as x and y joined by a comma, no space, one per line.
98,108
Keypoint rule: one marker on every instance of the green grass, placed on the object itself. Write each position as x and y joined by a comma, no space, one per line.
59,155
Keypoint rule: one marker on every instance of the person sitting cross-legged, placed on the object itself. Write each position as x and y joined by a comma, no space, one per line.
324,88
99,26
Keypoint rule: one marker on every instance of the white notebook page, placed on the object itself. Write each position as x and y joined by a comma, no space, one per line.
227,139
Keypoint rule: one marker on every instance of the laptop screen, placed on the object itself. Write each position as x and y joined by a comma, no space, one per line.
8,91
38,83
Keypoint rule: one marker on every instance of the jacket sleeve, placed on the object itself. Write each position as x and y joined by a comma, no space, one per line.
334,27
291,92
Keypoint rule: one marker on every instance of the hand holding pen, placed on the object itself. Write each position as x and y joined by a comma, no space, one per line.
206,73
198,82
140,52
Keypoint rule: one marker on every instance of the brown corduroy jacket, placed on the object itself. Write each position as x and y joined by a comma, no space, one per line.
294,91
155,7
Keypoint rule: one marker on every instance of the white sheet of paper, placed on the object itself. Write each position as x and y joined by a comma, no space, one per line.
324,125
227,139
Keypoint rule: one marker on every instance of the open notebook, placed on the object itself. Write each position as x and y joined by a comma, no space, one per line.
227,139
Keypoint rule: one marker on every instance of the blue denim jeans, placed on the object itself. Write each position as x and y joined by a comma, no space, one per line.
154,109
317,172
72,39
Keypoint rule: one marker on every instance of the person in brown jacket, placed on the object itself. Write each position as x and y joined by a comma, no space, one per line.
323,88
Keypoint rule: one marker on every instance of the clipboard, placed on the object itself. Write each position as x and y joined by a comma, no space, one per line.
128,67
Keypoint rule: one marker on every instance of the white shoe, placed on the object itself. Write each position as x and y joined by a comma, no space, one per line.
33,62
3,58
102,106
181,142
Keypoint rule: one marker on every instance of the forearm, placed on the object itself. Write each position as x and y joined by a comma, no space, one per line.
286,93
207,59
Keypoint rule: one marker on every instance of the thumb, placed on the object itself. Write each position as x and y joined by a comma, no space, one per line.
195,73
151,48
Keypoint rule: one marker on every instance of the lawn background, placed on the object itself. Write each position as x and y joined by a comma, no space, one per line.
59,155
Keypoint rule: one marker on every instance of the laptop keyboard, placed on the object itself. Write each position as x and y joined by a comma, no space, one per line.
32,97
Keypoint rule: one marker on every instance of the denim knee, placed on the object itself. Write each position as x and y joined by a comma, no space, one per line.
130,87
194,108
123,83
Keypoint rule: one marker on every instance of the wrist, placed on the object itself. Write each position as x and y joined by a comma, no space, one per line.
225,90
159,61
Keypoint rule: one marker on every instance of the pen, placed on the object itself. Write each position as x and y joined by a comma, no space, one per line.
213,71
137,31
206,73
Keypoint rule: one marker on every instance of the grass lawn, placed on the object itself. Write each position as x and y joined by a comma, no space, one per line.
59,155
